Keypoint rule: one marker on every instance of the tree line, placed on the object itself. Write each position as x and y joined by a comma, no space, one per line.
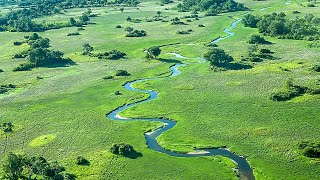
278,25
212,7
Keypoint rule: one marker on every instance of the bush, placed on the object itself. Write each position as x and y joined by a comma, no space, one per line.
265,51
6,88
24,67
288,91
73,34
310,149
122,73
136,33
82,161
108,77
1,71
256,39
16,43
201,25
118,26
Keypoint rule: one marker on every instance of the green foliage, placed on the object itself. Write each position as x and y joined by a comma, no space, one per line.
153,52
217,57
13,166
122,73
310,149
276,24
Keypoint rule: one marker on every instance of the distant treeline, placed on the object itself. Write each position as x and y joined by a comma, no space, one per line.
211,6
278,25
65,4
21,20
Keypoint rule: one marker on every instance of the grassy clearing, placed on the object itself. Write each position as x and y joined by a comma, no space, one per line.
62,115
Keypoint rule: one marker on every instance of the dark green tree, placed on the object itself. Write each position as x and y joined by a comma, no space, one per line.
153,52
217,57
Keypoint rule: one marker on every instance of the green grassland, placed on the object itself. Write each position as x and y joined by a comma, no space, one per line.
62,114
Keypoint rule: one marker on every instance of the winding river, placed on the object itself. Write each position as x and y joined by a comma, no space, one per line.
244,170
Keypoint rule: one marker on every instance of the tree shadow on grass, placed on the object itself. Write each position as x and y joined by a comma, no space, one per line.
133,155
169,60
235,66
64,63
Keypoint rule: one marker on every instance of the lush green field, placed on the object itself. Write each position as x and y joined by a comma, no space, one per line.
62,114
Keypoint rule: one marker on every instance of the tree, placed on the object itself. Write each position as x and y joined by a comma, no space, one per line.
159,13
84,18
217,57
153,52
122,9
87,49
72,21
13,166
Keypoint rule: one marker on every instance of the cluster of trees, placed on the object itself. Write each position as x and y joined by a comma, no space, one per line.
276,24
122,149
17,166
166,1
290,90
135,33
113,54
212,7
185,32
6,88
310,149
39,55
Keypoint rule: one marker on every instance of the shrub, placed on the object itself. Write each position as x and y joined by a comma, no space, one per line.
73,34
118,26
256,39
288,91
16,43
201,25
108,77
6,88
117,93
266,51
122,149
122,73
24,67
310,149
136,33
82,161
1,71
